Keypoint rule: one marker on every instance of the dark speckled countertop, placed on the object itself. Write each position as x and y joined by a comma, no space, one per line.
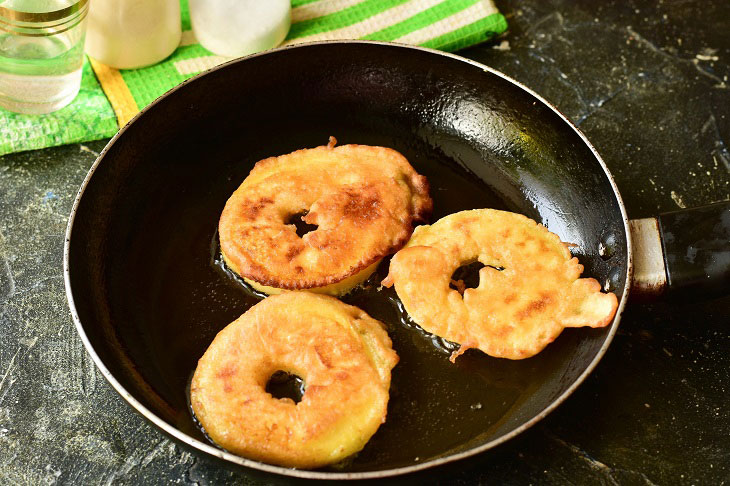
647,81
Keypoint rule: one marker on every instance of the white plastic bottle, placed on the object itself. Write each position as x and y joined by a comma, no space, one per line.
128,34
239,27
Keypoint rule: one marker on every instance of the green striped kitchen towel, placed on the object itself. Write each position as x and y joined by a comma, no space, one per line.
447,25
440,24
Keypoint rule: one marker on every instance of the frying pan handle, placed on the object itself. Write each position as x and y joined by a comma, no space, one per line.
684,253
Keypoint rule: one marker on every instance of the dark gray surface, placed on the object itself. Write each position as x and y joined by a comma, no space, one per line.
647,83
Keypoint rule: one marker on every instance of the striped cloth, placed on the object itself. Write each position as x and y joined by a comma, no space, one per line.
447,25
101,108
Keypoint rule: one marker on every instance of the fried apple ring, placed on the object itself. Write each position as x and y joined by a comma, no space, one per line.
344,357
529,289
364,201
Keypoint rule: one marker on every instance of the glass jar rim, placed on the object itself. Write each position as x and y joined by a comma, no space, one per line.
11,16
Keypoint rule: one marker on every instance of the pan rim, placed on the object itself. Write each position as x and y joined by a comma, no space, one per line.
172,431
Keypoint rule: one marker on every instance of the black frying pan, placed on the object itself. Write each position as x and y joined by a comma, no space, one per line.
148,294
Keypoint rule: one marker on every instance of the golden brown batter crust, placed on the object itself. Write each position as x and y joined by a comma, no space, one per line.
513,313
344,357
364,201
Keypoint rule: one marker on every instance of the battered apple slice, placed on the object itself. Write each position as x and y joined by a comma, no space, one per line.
343,356
360,201
529,289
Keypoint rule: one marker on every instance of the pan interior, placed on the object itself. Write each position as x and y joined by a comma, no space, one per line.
151,293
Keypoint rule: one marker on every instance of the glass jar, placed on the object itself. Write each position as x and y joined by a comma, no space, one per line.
41,53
